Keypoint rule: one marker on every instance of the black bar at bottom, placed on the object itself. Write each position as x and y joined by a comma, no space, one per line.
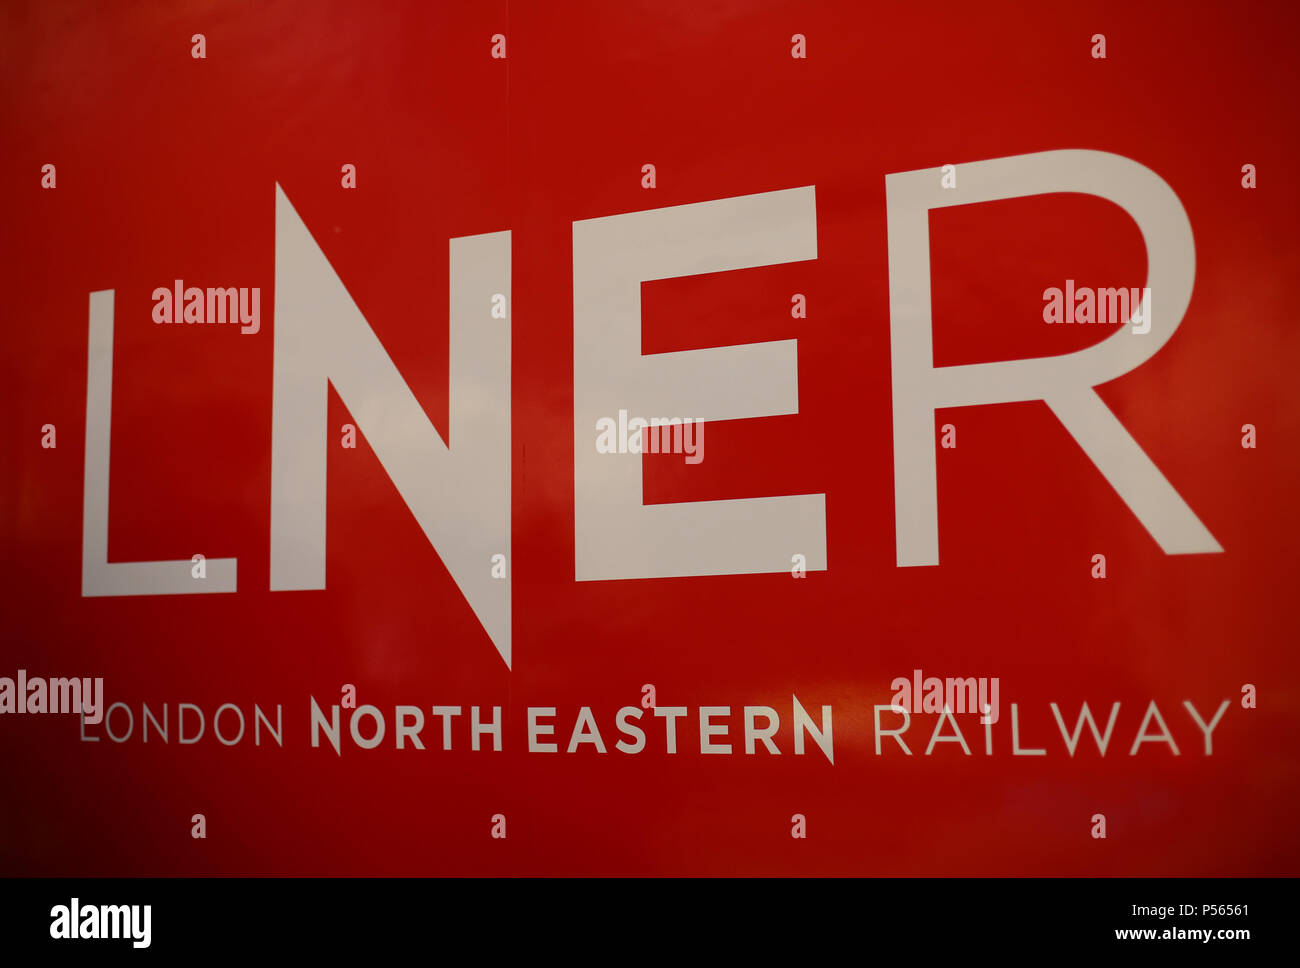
643,920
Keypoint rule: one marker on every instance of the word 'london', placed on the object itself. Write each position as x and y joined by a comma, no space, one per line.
321,339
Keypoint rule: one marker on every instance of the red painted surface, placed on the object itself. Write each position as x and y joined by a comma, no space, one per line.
166,169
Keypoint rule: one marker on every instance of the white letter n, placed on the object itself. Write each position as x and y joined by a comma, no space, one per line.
459,494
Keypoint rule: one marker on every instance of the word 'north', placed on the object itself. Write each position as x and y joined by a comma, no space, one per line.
190,304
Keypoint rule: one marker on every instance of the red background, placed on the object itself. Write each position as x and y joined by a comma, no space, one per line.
166,170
